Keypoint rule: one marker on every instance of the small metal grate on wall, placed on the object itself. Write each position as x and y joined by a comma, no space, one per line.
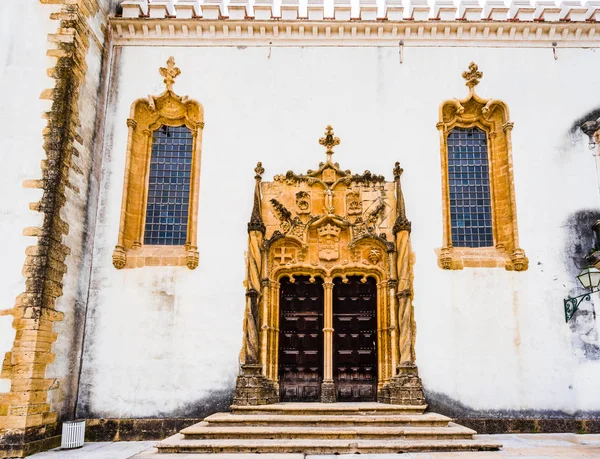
169,186
469,180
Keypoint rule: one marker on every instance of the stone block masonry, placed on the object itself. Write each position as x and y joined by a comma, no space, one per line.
28,421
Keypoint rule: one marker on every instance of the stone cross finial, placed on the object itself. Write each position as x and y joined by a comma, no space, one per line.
329,141
473,75
170,73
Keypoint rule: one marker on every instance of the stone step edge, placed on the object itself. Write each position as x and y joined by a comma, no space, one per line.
329,407
177,443
205,428
284,418
395,434
384,416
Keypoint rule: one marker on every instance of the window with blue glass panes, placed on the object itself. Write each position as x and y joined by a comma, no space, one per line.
469,182
167,209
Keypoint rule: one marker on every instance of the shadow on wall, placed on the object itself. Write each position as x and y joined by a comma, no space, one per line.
443,404
578,244
575,129
216,401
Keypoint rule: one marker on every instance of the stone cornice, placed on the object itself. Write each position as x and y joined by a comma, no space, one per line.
279,32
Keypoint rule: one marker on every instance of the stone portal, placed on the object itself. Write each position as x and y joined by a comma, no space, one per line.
345,235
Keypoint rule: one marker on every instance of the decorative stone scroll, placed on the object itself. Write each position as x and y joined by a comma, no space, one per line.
329,223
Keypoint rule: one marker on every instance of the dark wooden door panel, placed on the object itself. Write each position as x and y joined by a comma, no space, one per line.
300,339
355,339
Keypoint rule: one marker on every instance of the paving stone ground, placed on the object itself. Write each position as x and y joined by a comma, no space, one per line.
528,446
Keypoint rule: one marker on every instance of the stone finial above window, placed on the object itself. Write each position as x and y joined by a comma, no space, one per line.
479,206
159,211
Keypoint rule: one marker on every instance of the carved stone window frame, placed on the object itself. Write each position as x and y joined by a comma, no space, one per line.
492,117
146,116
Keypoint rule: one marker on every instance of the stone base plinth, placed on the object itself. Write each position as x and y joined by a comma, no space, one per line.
253,388
383,394
328,392
406,387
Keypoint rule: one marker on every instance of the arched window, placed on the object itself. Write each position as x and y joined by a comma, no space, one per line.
469,187
159,211
167,207
480,217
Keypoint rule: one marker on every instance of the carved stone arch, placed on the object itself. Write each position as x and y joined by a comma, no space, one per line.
294,271
146,116
492,117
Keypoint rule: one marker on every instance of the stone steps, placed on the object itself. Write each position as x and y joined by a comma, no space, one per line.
203,432
317,428
329,408
177,444
228,419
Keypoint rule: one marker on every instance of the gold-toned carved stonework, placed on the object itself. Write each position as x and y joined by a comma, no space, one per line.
170,73
473,75
303,203
324,224
353,203
148,115
329,242
492,117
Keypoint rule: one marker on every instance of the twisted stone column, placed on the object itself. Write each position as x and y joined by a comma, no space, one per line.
251,346
252,387
406,387
404,296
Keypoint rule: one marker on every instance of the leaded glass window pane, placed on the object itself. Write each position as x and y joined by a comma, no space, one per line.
469,180
169,186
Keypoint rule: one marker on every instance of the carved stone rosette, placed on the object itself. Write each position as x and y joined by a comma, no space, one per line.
328,223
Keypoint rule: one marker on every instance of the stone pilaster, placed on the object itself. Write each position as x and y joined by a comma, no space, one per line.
328,392
328,386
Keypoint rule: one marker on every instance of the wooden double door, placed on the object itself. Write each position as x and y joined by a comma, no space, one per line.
303,348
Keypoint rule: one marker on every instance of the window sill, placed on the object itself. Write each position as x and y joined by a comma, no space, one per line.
456,258
155,255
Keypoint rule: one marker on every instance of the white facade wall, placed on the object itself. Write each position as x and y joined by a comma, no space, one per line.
80,212
164,341
24,29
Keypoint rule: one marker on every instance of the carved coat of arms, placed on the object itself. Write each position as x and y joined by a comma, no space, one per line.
329,242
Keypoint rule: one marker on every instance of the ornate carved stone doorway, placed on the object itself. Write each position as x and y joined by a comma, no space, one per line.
343,229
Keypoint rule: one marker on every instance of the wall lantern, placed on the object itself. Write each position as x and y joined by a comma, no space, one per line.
590,128
590,279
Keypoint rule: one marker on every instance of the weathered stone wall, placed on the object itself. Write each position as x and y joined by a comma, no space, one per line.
164,341
51,150
24,27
